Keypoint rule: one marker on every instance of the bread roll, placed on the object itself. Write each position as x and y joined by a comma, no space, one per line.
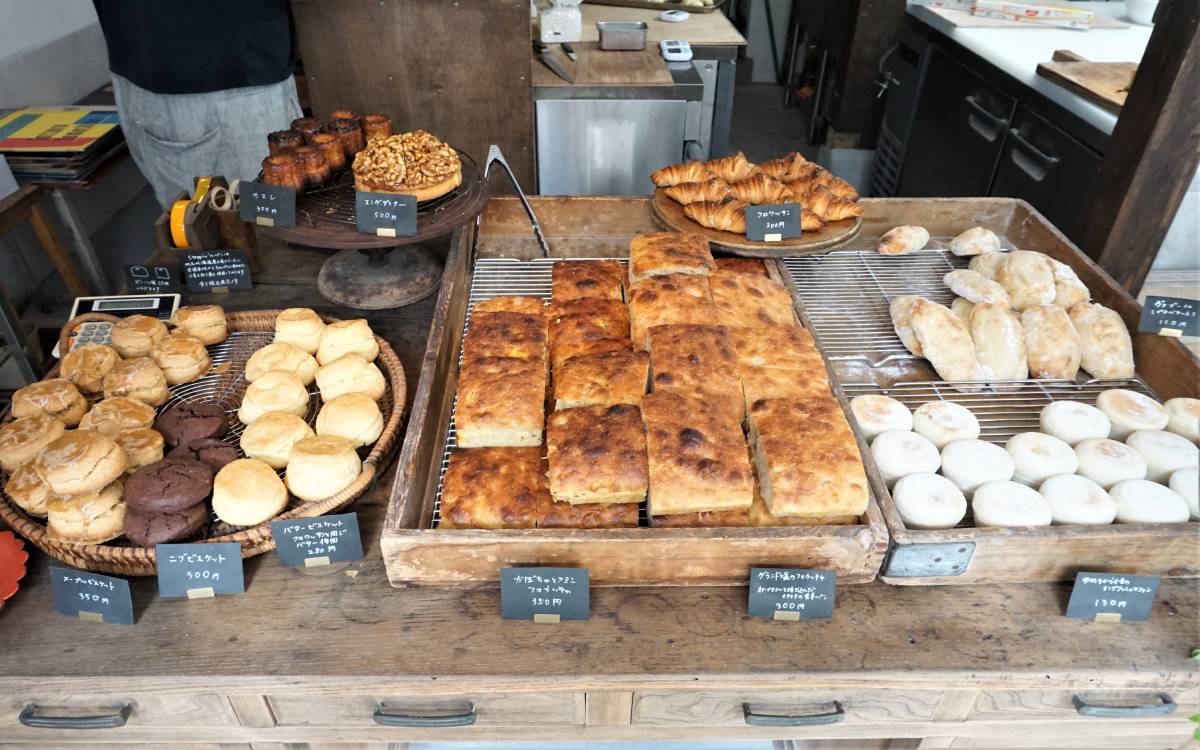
114,415
182,358
22,440
898,454
1107,351
1183,482
353,416
81,461
971,464
1028,278
55,398
962,308
321,467
928,501
347,337
1051,343
1038,457
1142,501
137,335
1078,500
204,322
274,391
1068,289
975,241
1165,453
1130,411
986,265
1073,422
271,437
902,240
350,373
999,342
90,518
1183,417
945,342
142,445
300,327
1107,462
901,311
1009,504
976,287
876,414
137,378
86,366
28,490
943,422
281,356
247,492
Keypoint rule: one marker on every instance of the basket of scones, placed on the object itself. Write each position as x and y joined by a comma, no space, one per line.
205,429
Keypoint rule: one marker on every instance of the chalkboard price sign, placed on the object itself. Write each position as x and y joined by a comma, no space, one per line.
199,570
267,205
1112,597
217,270
792,593
91,596
545,595
1170,316
151,280
318,541
772,223
386,214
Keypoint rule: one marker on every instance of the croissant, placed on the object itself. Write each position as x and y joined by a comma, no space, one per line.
676,174
727,215
759,189
841,188
694,192
731,168
785,168
827,206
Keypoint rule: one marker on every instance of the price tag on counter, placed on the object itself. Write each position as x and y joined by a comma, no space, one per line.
267,205
91,596
545,595
772,223
1112,597
151,280
318,541
198,571
792,593
386,214
1170,316
217,271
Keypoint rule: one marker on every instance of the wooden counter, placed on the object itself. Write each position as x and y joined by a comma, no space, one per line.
701,29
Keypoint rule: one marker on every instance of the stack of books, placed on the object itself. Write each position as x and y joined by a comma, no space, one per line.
59,144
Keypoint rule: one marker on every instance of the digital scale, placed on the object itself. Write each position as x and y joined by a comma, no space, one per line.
674,50
161,306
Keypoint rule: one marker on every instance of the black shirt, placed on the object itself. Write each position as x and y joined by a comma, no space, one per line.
182,47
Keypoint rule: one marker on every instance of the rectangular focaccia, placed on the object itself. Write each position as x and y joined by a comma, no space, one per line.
742,265
501,402
785,347
617,377
668,300
696,457
760,383
592,516
523,305
807,458
677,346
756,517
663,253
575,279
597,454
588,318
746,301
505,334
565,351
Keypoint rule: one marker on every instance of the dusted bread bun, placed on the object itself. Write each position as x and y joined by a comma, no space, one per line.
300,327
1165,452
943,422
929,501
1183,417
353,416
898,454
1078,500
284,357
1010,504
56,398
1130,411
136,335
182,358
138,378
1107,462
204,322
142,445
115,415
87,365
1073,422
247,492
1038,457
89,518
973,463
321,467
21,440
878,414
1141,501
28,490
347,337
274,391
81,461
271,437
1186,484
350,374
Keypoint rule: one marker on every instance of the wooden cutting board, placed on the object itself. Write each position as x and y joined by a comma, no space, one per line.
597,67
947,19
1102,83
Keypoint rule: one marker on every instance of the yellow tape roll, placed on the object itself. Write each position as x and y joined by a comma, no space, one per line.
178,214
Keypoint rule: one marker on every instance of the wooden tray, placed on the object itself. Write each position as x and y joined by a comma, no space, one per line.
416,554
669,214
659,5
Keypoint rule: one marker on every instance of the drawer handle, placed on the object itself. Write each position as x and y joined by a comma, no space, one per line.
463,719
31,717
793,720
1165,705
991,126
1031,160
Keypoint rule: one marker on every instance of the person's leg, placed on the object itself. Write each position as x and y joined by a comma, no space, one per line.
252,113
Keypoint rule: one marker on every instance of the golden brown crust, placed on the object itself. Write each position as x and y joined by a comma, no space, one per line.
501,402
696,192
757,516
522,305
494,488
137,378
591,516
760,383
86,366
662,253
674,347
616,377
54,397
589,278
784,347
597,454
675,174
21,440
505,334
668,300
742,265
115,415
745,301
415,163
588,318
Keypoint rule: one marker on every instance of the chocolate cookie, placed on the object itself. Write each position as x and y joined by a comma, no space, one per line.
191,420
146,528
216,453
168,486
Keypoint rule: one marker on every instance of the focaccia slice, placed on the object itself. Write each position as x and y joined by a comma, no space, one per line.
759,383
696,360
784,347
597,454
663,253
500,402
575,279
747,301
505,334
742,265
523,305
591,516
618,377
757,516
588,317
565,351
494,488
667,300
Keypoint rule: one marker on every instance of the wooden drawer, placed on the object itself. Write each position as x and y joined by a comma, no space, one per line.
451,710
142,710
1110,706
783,707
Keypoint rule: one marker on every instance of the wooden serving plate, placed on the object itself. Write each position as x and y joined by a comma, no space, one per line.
669,214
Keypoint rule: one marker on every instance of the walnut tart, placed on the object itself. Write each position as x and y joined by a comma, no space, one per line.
416,163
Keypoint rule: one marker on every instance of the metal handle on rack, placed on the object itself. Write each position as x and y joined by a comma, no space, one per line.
30,716
792,720
494,156
1165,705
462,719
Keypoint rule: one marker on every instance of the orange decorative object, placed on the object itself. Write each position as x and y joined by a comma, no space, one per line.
12,564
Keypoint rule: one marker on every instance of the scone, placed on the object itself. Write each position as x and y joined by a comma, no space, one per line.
55,398
247,492
204,322
597,454
87,518
182,358
281,356
347,337
86,366
28,490
81,461
271,437
300,327
137,335
1105,347
321,467
351,373
142,445
138,378
114,415
353,416
274,391
22,440
664,253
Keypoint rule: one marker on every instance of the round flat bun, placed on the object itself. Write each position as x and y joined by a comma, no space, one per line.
929,501
970,464
182,358
1073,422
271,437
274,391
22,440
284,357
1183,417
188,421
55,397
87,365
1010,504
943,422
169,486
137,378
898,454
300,327
321,467
1130,411
136,335
142,447
350,373
1107,462
347,337
146,528
81,461
211,451
1165,452
28,490
878,414
353,416
1142,501
1038,457
248,492
117,414
1186,484
1078,500
205,322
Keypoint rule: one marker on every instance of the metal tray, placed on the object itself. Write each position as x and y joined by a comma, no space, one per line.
657,5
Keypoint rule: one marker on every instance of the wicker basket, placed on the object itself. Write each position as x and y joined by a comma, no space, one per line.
255,540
